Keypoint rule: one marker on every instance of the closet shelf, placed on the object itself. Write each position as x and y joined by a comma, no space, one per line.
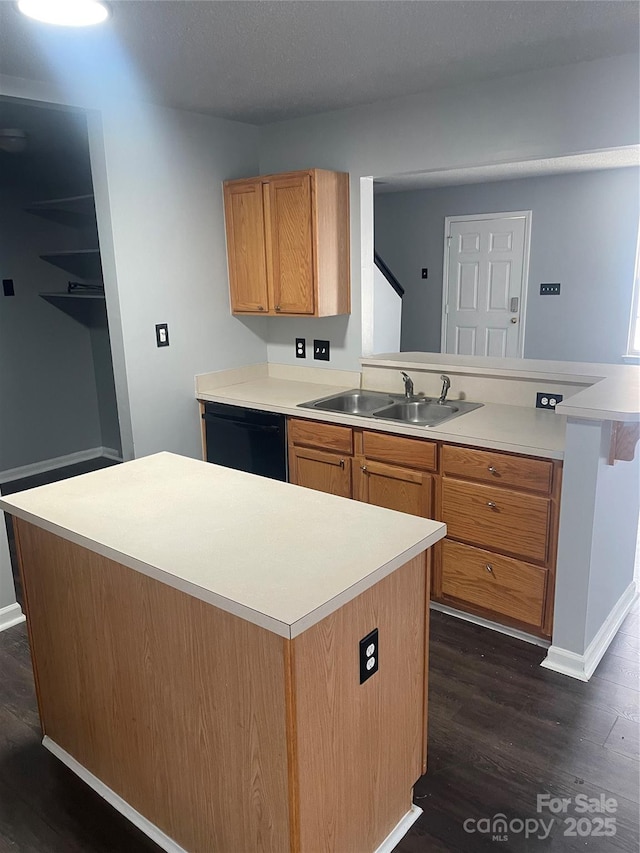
84,263
77,211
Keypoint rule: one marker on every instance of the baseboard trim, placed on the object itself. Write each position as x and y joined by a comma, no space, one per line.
400,830
583,666
45,465
163,840
10,616
487,623
144,825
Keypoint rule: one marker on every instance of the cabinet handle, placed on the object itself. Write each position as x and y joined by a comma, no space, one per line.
260,308
489,568
491,505
342,463
277,307
363,468
492,470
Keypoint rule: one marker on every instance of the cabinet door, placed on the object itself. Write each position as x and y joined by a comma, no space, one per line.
395,488
244,217
325,472
289,233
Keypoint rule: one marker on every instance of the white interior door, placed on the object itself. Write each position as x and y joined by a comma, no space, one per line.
485,271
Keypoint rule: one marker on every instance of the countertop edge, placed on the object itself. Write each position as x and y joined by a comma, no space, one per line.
248,614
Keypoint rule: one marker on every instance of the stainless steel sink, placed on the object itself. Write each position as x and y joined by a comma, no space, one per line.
425,412
352,402
422,411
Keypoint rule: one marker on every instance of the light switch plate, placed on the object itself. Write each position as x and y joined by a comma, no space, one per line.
162,334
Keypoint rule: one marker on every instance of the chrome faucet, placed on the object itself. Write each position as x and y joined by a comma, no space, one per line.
408,385
446,384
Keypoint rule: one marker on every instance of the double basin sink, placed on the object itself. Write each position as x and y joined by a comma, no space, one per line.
420,411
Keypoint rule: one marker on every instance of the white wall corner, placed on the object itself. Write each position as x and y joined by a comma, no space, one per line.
366,264
583,666
10,616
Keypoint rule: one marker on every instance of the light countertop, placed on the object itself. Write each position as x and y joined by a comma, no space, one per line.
275,554
499,427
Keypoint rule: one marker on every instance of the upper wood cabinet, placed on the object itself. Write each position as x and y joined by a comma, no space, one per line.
288,243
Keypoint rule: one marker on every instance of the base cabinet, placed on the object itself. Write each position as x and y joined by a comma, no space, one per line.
501,511
317,469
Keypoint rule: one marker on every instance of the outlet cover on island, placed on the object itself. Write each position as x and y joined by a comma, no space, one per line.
321,350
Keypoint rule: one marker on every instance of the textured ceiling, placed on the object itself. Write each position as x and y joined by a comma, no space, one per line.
263,61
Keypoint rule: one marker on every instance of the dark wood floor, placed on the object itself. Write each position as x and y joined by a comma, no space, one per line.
502,730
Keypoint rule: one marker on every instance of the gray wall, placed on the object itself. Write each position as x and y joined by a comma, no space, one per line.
48,402
583,107
158,182
583,235
595,561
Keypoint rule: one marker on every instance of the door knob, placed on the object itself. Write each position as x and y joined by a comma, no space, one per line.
514,319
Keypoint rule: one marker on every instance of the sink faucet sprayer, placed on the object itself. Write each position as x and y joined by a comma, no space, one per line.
446,384
408,385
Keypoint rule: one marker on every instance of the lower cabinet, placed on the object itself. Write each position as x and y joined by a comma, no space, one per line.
493,582
501,511
317,469
393,488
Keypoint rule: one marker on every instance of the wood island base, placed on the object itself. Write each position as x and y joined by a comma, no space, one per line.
211,733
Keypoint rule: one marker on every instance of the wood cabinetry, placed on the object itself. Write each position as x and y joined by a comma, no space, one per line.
288,243
501,511
377,468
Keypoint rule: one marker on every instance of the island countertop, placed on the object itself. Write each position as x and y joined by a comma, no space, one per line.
277,555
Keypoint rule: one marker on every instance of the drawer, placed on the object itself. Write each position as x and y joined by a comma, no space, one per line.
505,586
410,452
518,472
325,436
498,519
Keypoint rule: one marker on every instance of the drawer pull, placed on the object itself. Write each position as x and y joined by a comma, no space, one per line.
491,505
493,470
363,468
489,568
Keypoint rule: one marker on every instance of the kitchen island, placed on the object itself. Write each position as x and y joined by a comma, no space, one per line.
196,639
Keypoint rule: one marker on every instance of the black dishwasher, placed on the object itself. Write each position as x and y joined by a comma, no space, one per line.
246,439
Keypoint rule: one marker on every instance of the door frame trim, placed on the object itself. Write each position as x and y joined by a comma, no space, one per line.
526,249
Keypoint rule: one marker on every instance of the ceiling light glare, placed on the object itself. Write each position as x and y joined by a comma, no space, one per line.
65,13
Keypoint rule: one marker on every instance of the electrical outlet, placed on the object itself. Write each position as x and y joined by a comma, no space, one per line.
551,289
7,287
321,350
301,348
545,400
368,655
162,334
